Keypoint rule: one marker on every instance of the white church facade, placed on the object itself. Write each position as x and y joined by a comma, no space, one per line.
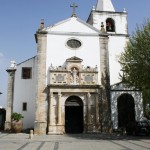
72,85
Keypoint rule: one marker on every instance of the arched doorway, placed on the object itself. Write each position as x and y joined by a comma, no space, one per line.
73,115
126,110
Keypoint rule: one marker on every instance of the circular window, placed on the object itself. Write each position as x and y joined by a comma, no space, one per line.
73,43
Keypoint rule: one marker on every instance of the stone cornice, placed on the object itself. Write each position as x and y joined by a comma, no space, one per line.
72,33
110,12
11,70
127,90
39,32
74,86
123,35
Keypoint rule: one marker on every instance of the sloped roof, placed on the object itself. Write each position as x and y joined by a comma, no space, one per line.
26,60
71,22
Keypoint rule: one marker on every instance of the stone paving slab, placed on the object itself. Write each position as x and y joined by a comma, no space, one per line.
21,141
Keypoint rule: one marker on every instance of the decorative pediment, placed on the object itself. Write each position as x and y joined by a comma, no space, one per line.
73,73
121,86
74,59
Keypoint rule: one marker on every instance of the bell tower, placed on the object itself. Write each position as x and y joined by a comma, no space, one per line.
116,27
105,18
105,5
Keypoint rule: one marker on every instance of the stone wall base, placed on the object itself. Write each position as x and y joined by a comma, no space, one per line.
56,129
7,125
90,128
40,127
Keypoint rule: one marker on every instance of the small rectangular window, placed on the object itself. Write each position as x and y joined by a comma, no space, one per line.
26,73
24,106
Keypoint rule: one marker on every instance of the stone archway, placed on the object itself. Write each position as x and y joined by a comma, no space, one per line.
126,109
73,115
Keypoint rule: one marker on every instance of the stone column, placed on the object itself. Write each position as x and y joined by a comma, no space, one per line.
89,125
10,96
105,82
51,109
51,114
89,108
97,114
96,110
40,114
59,109
85,122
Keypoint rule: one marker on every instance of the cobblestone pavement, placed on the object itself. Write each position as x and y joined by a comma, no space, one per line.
21,141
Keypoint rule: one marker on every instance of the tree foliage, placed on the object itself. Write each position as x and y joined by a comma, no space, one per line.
135,60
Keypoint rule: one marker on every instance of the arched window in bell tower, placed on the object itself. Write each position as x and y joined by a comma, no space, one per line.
110,25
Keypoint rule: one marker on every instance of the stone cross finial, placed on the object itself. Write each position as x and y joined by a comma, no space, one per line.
102,28
74,6
42,24
124,10
12,65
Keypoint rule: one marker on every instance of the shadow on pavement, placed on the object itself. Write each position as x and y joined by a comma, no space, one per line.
104,136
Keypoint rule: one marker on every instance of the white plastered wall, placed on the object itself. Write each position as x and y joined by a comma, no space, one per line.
58,51
116,47
24,91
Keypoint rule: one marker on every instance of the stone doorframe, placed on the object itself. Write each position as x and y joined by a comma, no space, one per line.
119,89
74,115
126,109
56,108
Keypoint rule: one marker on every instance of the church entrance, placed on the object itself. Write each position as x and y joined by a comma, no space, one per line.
74,115
126,110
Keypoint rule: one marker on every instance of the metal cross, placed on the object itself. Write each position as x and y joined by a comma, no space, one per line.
74,8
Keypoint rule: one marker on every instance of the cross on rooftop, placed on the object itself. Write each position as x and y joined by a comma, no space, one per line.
74,6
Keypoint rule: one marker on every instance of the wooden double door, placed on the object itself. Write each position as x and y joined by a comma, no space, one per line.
74,115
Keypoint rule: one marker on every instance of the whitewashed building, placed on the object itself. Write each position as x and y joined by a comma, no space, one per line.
66,88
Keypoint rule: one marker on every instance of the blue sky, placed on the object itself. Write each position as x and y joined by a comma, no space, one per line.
19,20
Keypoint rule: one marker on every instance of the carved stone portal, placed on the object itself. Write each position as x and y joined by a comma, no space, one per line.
73,98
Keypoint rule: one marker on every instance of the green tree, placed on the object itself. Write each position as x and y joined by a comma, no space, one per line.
135,61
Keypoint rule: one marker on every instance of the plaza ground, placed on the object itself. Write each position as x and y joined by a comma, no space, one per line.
21,141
